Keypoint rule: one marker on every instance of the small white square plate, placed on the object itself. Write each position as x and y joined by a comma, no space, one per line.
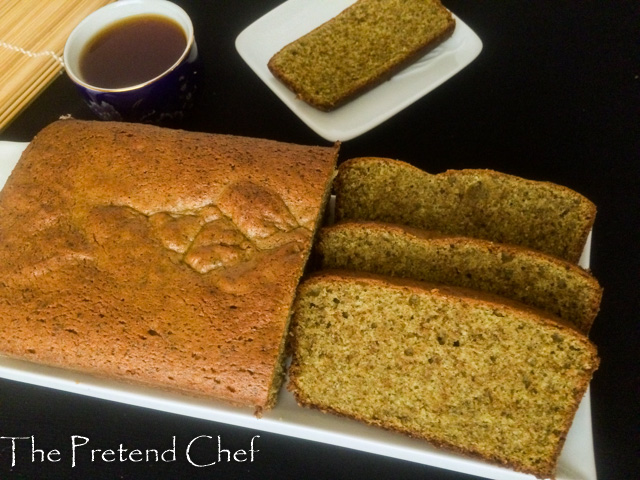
294,18
287,418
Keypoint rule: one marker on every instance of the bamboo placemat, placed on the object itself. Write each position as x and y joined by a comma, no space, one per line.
32,38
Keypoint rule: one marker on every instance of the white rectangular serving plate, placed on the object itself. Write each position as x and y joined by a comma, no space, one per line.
295,18
287,418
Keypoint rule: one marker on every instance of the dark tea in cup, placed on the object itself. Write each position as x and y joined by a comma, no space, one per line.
135,60
132,51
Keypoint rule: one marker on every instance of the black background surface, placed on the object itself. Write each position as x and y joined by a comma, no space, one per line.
554,95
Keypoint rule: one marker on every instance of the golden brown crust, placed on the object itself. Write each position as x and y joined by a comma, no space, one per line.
158,256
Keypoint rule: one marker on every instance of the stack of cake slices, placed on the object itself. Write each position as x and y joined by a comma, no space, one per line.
452,308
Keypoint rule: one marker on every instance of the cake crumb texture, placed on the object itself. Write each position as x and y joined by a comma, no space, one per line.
483,377
359,48
475,203
536,279
157,256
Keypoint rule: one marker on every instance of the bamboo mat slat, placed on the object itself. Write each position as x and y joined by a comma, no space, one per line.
32,38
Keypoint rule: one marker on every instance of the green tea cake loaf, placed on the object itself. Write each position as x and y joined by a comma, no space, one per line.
159,257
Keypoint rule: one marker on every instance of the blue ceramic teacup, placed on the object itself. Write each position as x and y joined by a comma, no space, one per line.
166,97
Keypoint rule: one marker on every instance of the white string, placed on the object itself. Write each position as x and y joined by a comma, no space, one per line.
28,53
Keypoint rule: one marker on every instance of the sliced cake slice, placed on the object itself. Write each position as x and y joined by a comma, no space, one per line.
475,203
471,373
359,48
534,278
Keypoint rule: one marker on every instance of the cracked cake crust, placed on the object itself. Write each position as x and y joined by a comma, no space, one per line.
158,256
